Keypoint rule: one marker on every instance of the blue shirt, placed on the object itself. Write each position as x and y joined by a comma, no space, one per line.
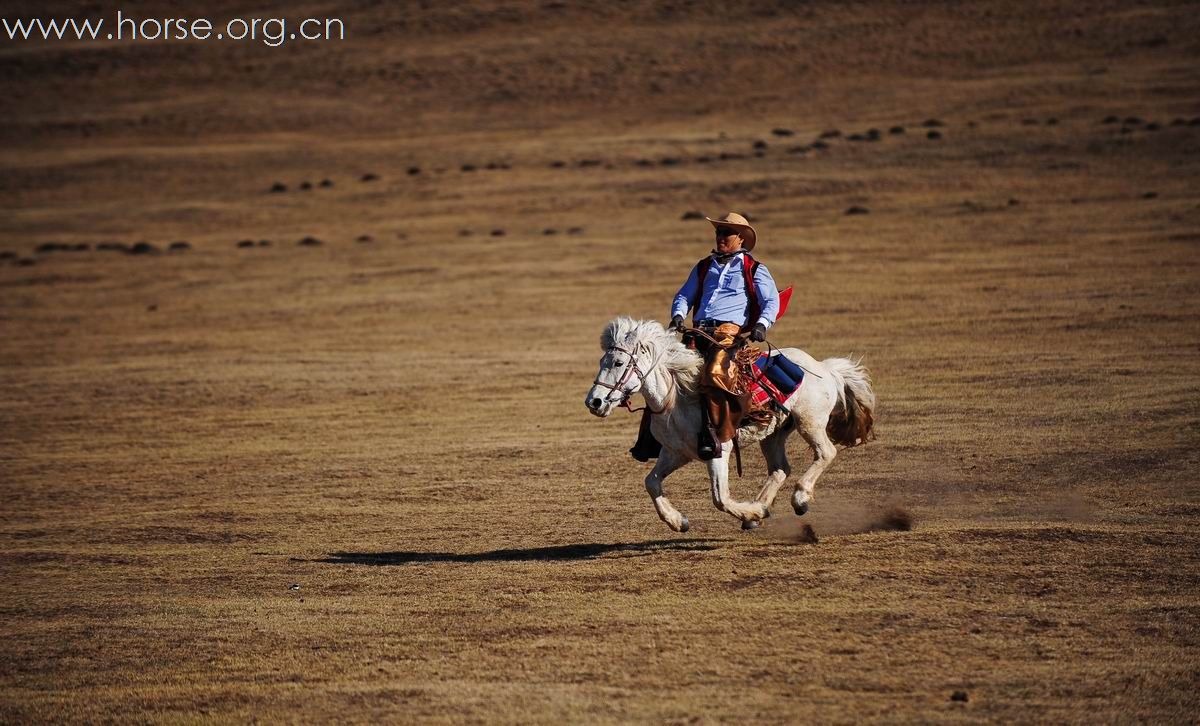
724,294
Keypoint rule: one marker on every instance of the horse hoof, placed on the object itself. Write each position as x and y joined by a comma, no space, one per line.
685,526
751,525
801,509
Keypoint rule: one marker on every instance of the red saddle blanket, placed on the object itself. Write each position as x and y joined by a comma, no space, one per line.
771,378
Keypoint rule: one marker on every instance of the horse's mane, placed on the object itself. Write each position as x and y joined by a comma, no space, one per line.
648,337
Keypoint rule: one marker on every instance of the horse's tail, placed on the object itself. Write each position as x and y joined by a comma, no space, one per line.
851,422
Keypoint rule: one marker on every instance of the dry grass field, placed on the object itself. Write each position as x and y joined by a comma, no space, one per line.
355,481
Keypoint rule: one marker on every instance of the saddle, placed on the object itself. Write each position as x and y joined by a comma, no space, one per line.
767,381
771,378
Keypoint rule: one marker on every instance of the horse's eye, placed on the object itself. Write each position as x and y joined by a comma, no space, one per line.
618,364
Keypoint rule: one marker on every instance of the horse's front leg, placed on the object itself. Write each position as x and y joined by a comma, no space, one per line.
718,473
667,462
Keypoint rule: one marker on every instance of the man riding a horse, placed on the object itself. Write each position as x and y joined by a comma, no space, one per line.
732,297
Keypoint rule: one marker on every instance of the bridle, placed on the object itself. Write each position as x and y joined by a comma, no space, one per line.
631,370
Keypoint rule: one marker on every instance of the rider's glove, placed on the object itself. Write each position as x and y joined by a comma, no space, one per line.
676,323
759,334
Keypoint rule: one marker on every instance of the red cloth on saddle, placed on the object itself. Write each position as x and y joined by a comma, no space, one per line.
762,390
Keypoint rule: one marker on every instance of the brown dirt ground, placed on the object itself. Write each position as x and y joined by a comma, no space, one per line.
397,426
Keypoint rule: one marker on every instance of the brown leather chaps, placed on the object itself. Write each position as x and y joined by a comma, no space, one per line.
725,395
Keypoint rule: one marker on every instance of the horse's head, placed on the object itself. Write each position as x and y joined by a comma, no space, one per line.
627,360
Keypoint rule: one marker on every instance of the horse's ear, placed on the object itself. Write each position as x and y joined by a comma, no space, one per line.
617,327
606,335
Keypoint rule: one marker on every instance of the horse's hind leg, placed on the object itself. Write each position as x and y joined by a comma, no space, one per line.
774,449
775,452
823,453
667,463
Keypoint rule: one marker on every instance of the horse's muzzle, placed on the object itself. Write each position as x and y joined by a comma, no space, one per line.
597,405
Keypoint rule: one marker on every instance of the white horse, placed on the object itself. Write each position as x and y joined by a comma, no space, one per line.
832,406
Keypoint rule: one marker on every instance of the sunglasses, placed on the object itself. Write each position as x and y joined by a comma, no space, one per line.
727,232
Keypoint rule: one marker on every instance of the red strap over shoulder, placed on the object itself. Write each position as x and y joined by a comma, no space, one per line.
701,273
749,267
785,296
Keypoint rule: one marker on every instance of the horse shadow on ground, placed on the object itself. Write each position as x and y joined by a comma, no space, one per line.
557,553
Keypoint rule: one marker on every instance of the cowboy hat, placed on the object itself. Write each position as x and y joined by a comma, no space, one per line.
733,219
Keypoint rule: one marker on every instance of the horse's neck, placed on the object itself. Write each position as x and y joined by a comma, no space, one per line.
660,389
